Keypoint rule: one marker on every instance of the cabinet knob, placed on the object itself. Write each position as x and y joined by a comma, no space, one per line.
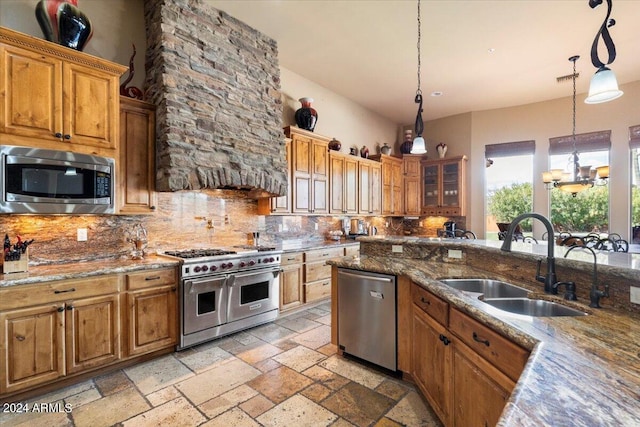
67,137
60,309
153,208
20,337
69,307
57,135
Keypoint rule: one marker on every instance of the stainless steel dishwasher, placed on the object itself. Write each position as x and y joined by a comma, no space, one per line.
367,316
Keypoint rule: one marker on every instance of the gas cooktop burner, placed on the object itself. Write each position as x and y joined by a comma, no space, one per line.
199,253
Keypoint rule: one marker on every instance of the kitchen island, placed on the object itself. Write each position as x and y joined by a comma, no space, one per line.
581,371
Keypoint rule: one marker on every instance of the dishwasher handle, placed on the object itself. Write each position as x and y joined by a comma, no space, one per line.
365,276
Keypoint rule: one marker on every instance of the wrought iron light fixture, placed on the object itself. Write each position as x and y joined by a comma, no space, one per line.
604,86
419,146
577,178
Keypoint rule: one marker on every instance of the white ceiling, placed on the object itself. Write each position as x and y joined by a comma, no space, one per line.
366,50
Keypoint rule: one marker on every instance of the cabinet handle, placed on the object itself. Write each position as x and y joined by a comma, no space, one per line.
67,137
66,290
152,278
20,337
480,340
445,340
57,135
425,301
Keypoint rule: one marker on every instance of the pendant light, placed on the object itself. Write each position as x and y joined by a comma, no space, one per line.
604,86
576,178
419,146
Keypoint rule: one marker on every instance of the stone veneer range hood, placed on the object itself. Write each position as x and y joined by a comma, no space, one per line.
216,84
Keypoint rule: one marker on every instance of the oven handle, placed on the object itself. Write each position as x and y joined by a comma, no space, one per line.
232,279
193,285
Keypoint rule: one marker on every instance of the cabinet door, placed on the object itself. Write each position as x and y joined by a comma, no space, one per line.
387,188
376,190
136,193
480,391
351,186
320,177
30,94
451,184
431,186
412,204
91,104
92,332
398,188
31,347
431,362
301,174
291,286
336,197
151,318
364,197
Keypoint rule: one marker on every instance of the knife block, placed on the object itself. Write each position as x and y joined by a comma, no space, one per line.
20,266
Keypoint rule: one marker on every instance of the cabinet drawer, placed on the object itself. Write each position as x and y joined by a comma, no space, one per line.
292,258
323,254
149,278
430,304
317,290
316,271
496,349
59,290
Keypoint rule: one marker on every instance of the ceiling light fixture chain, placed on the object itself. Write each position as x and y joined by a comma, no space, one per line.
419,146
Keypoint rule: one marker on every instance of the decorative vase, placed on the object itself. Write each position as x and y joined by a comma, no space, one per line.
306,116
385,149
407,145
442,149
62,22
364,152
334,145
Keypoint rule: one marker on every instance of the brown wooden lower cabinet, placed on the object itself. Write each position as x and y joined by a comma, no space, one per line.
291,290
59,329
466,381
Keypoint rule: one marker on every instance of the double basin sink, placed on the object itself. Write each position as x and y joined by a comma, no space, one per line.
510,298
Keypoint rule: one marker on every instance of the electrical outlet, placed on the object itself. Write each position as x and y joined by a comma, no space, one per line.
635,294
315,226
279,228
82,234
455,253
396,249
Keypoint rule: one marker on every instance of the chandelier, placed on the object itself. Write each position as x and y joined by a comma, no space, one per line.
575,178
418,146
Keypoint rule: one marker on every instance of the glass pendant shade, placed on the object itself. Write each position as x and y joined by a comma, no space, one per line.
603,87
419,146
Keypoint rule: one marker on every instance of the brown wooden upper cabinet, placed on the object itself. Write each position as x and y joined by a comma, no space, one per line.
136,165
443,186
343,197
392,185
309,171
57,98
412,193
370,187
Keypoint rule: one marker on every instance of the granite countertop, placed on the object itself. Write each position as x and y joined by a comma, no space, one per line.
74,270
583,371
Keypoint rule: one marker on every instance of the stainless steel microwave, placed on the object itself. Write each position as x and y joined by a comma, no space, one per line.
55,182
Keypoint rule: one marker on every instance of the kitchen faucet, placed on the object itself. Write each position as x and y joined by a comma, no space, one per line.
595,293
550,279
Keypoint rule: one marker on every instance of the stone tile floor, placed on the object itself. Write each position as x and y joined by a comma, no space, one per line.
285,373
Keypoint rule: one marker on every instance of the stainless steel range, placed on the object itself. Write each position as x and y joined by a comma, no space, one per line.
226,290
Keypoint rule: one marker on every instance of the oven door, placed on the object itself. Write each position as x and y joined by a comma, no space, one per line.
204,303
253,293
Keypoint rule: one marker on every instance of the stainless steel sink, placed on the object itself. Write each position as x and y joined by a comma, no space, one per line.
533,307
488,287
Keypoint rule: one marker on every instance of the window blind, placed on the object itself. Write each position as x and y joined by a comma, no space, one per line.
634,136
505,149
592,141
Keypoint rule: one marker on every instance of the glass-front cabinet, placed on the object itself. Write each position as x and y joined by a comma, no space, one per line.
443,186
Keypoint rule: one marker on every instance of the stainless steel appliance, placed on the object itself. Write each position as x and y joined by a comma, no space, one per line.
357,226
226,290
39,181
367,325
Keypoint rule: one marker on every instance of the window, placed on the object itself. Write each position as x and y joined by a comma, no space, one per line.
634,145
588,211
509,184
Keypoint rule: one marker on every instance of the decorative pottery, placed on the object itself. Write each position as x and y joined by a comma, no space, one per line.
62,22
407,145
442,149
364,152
306,116
385,149
353,151
334,145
